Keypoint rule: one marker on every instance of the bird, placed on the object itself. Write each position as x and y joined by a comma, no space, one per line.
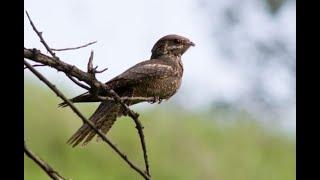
159,77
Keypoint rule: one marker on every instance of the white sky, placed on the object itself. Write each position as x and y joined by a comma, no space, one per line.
126,32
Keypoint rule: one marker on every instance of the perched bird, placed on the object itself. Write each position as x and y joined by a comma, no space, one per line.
159,77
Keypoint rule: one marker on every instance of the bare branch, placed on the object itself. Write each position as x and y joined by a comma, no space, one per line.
139,127
90,68
36,65
74,48
78,83
41,38
85,120
125,98
43,165
35,55
88,78
99,71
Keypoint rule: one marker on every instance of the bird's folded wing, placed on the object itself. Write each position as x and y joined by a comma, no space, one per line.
146,70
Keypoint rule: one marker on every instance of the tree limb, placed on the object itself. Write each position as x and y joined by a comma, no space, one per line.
78,83
35,65
96,86
41,38
84,119
43,165
35,55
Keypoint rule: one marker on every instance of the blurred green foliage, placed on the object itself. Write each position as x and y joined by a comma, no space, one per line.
181,145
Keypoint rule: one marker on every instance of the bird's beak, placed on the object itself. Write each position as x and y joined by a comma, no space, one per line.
190,43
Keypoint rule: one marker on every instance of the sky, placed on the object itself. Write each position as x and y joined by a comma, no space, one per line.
127,30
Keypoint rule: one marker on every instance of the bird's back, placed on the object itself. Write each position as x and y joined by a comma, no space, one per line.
152,78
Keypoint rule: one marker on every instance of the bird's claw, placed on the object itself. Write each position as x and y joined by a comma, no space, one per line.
156,99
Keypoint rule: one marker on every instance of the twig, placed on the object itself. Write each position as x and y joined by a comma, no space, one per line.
90,68
85,120
125,98
45,166
41,38
35,55
91,80
36,65
78,83
139,127
74,48
99,71
128,111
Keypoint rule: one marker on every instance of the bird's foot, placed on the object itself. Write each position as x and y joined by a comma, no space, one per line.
156,99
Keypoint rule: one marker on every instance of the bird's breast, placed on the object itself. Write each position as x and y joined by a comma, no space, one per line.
163,87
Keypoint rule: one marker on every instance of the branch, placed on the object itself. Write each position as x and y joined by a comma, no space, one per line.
71,70
41,38
74,48
125,98
139,126
78,83
36,65
35,55
90,68
88,78
45,166
85,120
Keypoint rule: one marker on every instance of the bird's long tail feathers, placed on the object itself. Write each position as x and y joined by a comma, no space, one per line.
103,119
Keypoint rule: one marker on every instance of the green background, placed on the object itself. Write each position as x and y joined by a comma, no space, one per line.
181,144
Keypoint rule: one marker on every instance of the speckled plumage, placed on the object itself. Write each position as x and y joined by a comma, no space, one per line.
159,77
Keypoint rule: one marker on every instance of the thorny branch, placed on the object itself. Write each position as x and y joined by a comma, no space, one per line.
45,166
95,86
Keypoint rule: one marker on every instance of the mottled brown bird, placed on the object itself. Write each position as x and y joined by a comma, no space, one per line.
159,77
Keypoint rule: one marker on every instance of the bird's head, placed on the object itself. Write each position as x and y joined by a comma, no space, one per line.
171,45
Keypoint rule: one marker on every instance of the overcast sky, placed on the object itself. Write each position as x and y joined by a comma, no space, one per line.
127,30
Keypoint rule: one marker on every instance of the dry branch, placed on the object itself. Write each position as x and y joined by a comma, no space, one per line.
74,48
95,86
84,119
35,65
70,70
41,38
78,83
45,166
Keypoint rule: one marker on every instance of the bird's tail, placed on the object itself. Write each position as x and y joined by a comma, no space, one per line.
103,119
85,97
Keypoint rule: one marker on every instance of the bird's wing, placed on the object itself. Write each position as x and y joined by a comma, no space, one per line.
146,70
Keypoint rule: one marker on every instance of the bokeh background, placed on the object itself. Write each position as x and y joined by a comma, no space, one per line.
233,118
